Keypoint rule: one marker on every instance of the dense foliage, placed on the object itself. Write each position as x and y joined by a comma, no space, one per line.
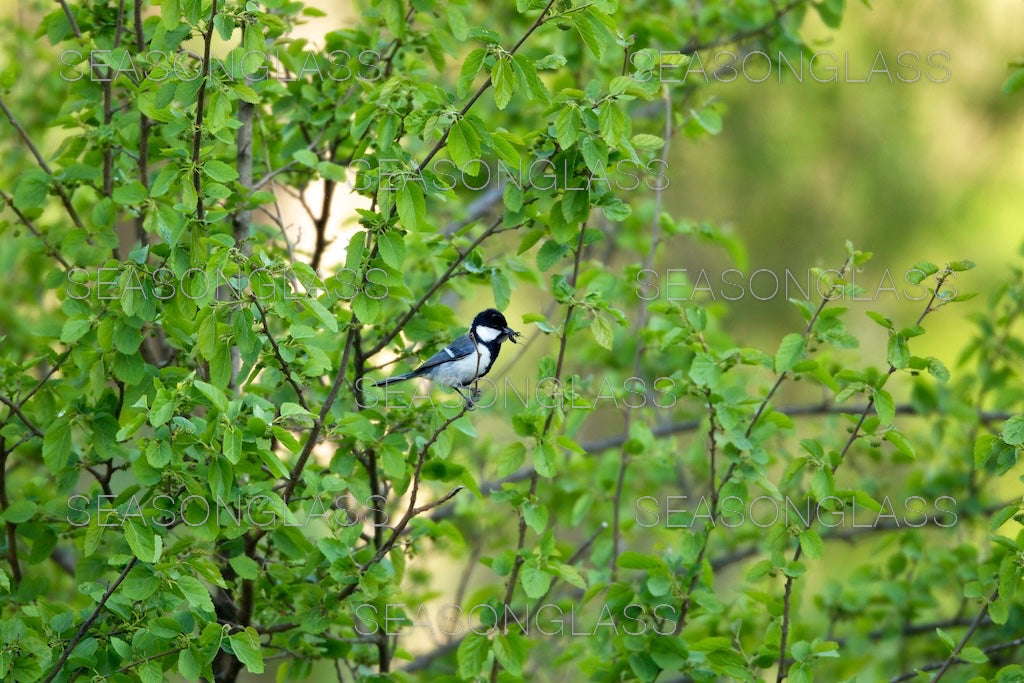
197,476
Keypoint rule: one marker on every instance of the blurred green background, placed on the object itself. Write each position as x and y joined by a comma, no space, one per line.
910,171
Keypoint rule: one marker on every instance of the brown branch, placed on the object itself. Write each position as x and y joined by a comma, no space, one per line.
955,654
411,509
320,224
61,192
144,126
16,409
197,138
27,222
513,577
991,649
12,538
780,12
482,89
84,628
638,356
318,424
285,367
788,590
386,339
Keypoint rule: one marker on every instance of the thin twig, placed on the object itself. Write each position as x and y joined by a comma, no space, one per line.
513,577
481,90
61,192
84,628
197,138
854,434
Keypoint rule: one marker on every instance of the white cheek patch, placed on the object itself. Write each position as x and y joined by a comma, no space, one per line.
486,334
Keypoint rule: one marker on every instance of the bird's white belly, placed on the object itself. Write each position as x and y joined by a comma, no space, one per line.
461,372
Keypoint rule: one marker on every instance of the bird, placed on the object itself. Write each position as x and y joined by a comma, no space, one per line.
466,359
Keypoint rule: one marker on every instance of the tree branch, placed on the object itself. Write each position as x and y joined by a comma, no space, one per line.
61,192
513,577
788,590
481,90
197,138
386,339
84,628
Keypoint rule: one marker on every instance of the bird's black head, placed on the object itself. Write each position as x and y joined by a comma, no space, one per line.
490,325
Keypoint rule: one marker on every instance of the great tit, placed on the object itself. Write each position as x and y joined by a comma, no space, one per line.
466,359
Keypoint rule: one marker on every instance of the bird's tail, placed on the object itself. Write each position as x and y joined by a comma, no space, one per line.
394,380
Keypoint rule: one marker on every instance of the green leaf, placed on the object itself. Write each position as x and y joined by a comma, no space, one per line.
170,14
31,190
213,394
898,352
544,459
392,248
704,371
831,12
634,560
472,655
501,288
196,594
567,127
602,331
550,253
883,320
1013,430
973,655
412,207
306,158
321,313
536,516
791,348
463,146
145,544
219,171
470,68
57,445
535,581
647,142
393,463
246,646
132,193
233,444
245,566
901,443
504,83
74,329
245,92
811,544
594,34
19,511
885,406
938,369
510,651
188,664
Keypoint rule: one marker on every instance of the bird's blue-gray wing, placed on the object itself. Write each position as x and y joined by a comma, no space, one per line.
460,348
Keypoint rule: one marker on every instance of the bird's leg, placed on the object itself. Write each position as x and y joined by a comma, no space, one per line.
476,393
469,401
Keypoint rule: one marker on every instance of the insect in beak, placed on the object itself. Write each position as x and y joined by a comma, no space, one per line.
512,334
